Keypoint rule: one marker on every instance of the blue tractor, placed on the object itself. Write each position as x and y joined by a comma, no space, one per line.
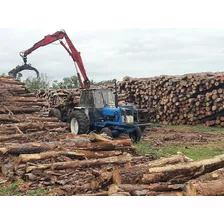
98,111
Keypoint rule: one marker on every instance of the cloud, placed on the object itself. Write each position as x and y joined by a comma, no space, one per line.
116,53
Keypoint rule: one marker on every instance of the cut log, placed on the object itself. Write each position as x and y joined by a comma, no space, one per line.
103,193
36,126
119,194
67,145
24,137
157,187
19,110
95,138
182,173
75,154
74,164
25,117
134,174
35,147
24,99
171,193
210,184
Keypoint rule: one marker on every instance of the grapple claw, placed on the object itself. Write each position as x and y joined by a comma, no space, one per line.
19,68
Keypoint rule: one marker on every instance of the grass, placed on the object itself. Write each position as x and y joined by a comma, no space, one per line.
194,152
9,190
13,190
38,192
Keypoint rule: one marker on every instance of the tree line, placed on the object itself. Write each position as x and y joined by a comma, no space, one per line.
44,82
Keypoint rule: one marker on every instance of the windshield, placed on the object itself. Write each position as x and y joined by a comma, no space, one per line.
104,98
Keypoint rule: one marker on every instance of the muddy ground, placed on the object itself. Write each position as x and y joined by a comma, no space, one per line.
183,135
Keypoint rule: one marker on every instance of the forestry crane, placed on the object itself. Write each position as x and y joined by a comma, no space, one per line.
75,55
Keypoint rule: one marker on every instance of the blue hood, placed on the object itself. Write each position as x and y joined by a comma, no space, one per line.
110,111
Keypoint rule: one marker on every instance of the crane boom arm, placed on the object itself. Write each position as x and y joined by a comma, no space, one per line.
76,56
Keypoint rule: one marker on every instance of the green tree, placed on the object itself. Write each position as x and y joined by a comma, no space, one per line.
105,82
35,83
73,82
66,83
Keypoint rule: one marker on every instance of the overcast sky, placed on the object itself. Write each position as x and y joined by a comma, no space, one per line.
110,54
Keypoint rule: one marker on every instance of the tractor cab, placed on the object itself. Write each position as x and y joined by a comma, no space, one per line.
97,98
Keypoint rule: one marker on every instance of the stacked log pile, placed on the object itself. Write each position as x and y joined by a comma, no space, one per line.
173,176
21,112
188,99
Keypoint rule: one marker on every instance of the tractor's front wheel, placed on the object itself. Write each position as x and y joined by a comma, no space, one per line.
79,122
136,135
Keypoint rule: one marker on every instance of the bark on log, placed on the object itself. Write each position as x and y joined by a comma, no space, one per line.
103,193
22,136
210,184
157,187
19,110
35,147
67,145
37,126
78,153
171,193
134,174
75,164
95,138
181,173
24,99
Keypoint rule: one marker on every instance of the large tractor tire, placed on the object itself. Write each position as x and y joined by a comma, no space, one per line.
107,131
79,122
136,135
55,113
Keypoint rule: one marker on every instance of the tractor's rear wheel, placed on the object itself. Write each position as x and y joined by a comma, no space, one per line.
107,131
55,113
79,122
136,135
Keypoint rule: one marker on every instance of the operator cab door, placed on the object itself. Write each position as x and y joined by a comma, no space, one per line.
99,104
102,98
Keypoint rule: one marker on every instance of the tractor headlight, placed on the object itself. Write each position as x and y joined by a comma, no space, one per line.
128,119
